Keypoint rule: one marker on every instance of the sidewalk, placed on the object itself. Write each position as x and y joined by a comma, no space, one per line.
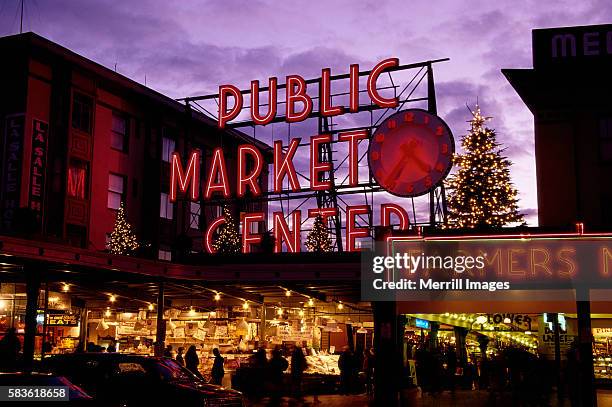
459,399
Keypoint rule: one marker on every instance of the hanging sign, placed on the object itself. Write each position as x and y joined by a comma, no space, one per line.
409,154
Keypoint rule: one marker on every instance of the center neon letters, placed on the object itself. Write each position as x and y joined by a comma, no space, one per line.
298,104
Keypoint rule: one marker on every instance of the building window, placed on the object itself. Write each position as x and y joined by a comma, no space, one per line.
82,109
605,139
116,190
166,208
119,132
77,179
165,255
194,215
168,146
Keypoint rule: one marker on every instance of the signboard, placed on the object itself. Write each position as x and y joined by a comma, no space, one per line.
62,319
422,323
488,268
409,154
572,46
38,165
12,154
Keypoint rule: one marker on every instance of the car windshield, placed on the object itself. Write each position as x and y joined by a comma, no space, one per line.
172,371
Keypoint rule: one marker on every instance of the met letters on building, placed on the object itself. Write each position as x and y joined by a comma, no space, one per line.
572,46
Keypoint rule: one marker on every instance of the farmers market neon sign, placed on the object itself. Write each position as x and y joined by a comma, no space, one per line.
403,132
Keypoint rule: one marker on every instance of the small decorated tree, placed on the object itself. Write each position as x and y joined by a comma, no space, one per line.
318,239
122,239
481,194
228,239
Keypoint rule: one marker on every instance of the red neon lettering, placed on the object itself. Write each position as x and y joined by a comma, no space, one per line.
316,166
373,77
389,208
296,92
353,138
209,234
257,118
353,232
217,167
248,238
249,179
354,88
224,115
325,102
184,179
282,232
284,165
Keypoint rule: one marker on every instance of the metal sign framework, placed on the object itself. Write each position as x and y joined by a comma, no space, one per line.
421,71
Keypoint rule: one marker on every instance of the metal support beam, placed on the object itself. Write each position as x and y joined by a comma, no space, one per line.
160,335
33,277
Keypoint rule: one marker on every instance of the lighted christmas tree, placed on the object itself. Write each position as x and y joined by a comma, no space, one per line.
318,239
228,239
122,238
481,194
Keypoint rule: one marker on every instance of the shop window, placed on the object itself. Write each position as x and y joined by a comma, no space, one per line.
82,112
605,139
116,190
119,132
166,208
194,215
164,255
76,235
168,146
77,179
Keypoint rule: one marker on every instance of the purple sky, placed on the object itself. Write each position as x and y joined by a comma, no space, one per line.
190,47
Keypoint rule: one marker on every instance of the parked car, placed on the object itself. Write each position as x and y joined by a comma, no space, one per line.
76,395
135,380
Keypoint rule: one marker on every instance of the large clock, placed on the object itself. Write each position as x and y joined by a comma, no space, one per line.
411,152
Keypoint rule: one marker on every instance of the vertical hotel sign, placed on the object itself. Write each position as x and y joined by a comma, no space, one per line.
40,131
11,168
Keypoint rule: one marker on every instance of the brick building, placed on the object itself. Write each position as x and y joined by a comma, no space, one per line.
79,139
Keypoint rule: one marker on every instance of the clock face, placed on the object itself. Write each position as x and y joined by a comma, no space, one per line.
411,152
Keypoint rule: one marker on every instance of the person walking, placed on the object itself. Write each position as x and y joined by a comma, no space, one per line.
9,349
168,352
192,361
298,365
217,371
368,370
179,356
345,364
277,365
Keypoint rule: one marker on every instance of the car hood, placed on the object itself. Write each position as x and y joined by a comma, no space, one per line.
209,390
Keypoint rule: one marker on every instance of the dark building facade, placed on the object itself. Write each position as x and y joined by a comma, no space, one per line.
568,91
79,139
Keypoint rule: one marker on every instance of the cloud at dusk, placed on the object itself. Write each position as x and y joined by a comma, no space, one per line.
190,47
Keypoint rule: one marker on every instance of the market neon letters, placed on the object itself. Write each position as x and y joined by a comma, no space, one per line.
298,104
185,178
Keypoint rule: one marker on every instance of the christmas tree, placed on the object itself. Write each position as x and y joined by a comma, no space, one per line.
318,239
481,194
228,240
122,238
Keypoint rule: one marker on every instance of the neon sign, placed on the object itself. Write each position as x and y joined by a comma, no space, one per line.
422,168
296,93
